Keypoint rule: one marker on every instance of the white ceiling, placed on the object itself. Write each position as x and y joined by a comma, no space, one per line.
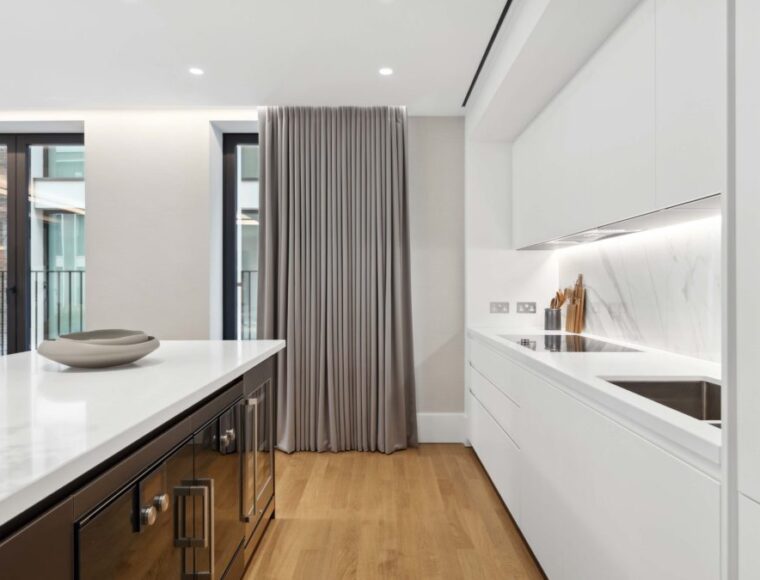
77,54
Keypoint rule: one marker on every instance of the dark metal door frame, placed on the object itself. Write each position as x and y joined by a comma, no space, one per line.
229,208
18,298
9,141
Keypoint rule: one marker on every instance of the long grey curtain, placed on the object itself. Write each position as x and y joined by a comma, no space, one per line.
334,276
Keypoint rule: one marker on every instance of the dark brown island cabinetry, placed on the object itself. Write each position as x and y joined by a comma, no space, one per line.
190,502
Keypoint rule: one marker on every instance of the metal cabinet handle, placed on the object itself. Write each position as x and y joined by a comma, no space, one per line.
250,406
181,493
255,454
203,488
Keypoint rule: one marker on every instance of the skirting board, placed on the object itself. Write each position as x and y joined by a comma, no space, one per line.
441,427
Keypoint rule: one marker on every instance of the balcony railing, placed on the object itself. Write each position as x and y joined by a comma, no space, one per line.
3,312
247,295
57,299
57,305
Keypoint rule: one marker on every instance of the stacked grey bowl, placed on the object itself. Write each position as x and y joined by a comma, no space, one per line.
99,348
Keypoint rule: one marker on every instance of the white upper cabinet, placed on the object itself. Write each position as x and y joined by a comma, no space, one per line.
691,99
640,127
589,157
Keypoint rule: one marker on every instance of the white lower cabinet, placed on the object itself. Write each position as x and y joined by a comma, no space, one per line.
498,454
594,499
503,409
749,538
601,502
497,369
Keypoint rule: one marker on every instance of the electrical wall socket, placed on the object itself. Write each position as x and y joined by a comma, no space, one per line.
499,307
526,307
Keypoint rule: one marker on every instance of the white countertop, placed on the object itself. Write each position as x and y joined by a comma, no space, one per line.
696,440
57,423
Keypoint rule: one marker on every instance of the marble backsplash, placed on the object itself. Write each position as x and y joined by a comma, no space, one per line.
658,288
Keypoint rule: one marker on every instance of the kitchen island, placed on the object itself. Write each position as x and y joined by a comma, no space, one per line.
71,440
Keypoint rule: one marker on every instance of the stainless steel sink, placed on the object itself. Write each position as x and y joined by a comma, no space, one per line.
697,398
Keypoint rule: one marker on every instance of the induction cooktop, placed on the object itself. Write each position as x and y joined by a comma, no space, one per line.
565,343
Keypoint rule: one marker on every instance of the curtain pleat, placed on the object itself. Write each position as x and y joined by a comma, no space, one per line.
334,276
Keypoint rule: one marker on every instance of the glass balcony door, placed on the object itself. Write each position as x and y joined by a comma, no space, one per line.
42,261
241,235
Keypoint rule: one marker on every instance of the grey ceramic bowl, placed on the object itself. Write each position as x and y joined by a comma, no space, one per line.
108,336
82,354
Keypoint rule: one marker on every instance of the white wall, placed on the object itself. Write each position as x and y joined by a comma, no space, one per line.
494,271
436,207
148,208
153,194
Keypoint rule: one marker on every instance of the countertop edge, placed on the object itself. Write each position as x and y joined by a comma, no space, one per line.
694,443
39,490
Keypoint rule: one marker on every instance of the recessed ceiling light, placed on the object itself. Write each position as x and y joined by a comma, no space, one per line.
386,71
194,70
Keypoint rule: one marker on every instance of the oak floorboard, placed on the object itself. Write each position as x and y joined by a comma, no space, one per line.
425,513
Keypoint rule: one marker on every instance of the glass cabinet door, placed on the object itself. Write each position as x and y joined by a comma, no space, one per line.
133,535
217,465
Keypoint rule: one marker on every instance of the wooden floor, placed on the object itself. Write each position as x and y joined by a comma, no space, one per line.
424,513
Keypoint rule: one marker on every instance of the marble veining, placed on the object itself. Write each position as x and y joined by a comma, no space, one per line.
659,288
56,423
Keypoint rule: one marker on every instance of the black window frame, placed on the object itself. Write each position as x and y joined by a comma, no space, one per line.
229,224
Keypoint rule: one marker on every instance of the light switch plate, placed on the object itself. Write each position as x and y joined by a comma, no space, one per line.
526,307
499,307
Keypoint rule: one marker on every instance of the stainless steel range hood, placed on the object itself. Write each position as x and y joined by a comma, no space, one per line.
694,210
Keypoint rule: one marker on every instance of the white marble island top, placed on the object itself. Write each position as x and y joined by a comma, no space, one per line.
57,423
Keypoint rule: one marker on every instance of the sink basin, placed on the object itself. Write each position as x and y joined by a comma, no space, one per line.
697,398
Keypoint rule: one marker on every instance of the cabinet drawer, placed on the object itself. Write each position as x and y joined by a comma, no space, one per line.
498,454
497,369
502,408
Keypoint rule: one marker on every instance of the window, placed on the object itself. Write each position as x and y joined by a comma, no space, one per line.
63,162
241,235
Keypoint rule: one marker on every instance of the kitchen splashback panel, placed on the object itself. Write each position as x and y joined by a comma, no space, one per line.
658,288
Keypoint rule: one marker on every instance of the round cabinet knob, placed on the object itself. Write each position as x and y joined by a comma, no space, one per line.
148,516
227,438
161,502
